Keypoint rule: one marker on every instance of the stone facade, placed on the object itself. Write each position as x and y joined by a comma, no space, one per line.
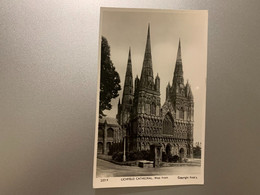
109,132
145,121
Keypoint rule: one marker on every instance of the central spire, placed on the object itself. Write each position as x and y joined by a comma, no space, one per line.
148,45
179,52
178,72
147,69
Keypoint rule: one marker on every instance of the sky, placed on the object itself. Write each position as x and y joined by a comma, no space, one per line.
126,28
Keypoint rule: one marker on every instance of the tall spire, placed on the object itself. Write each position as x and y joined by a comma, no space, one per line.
129,64
147,69
124,110
178,72
179,52
128,85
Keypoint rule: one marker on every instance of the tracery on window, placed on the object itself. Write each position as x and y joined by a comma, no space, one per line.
181,113
110,133
100,133
168,124
153,108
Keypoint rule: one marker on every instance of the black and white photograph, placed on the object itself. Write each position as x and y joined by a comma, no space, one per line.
151,100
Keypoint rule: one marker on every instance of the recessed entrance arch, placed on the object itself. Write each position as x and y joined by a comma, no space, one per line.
181,151
168,149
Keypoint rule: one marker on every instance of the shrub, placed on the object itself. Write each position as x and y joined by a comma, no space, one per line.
174,158
139,155
169,157
130,156
146,155
197,152
134,155
118,156
164,157
116,147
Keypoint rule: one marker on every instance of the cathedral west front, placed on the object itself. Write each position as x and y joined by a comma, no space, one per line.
145,120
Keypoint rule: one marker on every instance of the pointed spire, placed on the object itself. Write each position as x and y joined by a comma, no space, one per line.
168,85
128,95
190,93
129,64
168,91
148,42
128,85
188,90
129,55
136,84
178,72
179,52
147,69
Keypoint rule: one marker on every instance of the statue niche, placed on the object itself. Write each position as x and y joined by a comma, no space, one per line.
168,124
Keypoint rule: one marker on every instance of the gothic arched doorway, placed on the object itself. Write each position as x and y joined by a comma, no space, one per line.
168,149
181,154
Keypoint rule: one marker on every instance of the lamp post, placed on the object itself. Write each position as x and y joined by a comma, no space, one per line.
124,156
126,126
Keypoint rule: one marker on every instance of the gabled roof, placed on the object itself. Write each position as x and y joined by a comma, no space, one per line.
108,120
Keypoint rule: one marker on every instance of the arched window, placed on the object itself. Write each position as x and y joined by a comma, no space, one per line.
153,109
110,133
181,113
168,124
100,133
147,108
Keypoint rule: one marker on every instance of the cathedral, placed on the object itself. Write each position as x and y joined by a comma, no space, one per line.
145,120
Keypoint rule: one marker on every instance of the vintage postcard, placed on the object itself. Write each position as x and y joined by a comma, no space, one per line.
150,120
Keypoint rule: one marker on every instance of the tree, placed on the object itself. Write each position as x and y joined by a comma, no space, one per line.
109,79
197,151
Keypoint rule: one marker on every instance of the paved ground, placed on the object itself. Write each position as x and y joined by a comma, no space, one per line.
108,169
